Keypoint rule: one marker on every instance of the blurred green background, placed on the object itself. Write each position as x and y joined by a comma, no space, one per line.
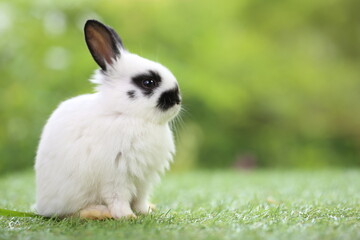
265,83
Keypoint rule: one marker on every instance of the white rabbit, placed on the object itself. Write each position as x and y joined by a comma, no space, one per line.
100,154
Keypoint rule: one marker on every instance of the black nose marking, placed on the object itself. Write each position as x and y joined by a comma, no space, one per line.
168,99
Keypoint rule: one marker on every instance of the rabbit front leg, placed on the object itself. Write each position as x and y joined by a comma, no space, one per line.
140,203
120,208
118,202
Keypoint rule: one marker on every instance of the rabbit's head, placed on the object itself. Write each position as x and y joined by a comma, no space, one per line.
127,83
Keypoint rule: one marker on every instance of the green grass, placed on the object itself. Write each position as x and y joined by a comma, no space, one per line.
211,205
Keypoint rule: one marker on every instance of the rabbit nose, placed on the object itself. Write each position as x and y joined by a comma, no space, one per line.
169,98
176,96
178,99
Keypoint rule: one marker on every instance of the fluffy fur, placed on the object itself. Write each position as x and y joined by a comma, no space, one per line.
106,148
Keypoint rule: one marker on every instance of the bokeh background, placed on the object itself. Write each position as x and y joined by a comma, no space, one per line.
266,84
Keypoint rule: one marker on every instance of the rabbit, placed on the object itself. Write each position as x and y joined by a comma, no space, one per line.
100,154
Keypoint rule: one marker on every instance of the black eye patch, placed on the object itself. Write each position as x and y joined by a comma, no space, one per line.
147,82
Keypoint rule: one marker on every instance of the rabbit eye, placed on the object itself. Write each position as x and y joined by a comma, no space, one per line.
149,83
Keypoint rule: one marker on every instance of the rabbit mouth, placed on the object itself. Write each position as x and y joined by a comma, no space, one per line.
169,99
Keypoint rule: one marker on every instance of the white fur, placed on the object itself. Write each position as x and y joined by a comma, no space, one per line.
105,148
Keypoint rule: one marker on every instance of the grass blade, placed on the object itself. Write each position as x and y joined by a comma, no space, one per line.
10,213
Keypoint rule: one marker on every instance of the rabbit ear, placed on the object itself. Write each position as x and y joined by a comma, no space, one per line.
103,43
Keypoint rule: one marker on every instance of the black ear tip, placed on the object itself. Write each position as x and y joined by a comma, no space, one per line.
93,23
90,22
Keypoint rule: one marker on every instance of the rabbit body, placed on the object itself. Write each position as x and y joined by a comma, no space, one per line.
85,160
108,148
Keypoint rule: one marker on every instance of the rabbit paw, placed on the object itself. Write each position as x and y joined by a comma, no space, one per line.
144,208
119,211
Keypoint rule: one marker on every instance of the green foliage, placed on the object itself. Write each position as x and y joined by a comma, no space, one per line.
276,81
211,205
